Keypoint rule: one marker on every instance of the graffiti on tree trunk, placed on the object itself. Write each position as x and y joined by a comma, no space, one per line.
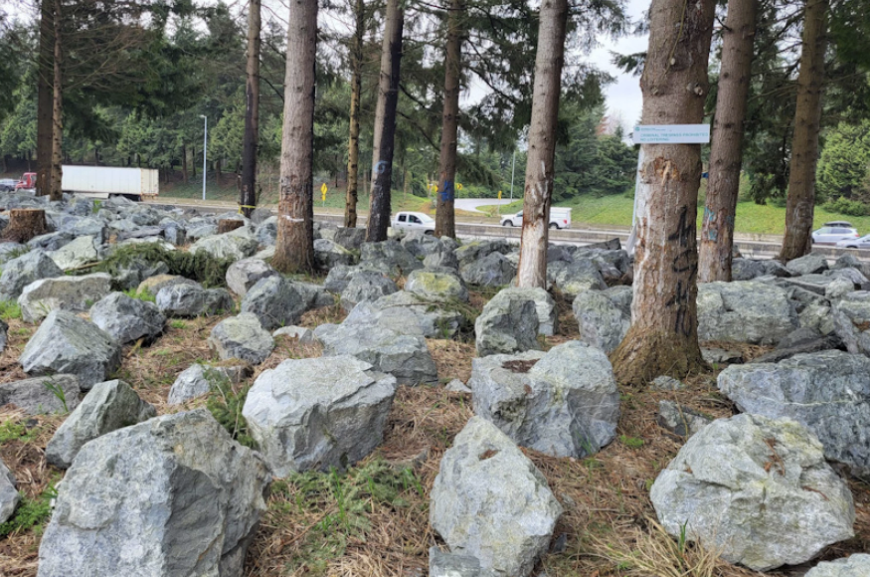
686,262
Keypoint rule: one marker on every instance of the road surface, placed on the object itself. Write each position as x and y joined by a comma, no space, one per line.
471,204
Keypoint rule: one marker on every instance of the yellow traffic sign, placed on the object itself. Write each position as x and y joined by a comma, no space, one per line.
458,186
323,188
499,195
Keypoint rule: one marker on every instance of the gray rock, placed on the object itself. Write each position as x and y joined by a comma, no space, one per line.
188,497
366,286
276,301
23,270
846,260
127,319
441,259
10,250
404,356
853,275
316,294
229,246
717,356
109,406
798,336
190,299
851,318
175,234
681,420
51,241
490,502
436,286
198,379
79,252
408,314
576,276
825,343
42,395
201,231
328,254
69,293
817,316
563,403
65,343
242,337
666,383
509,323
318,413
814,283
545,308
828,392
746,269
494,270
457,386
443,564
4,335
303,334
477,250
350,238
744,312
391,256
809,264
244,274
9,497
756,489
339,276
602,322
857,565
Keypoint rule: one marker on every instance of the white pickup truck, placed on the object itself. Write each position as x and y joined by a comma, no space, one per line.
559,218
414,221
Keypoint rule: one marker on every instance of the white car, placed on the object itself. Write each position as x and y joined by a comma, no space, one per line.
863,242
834,232
559,218
414,221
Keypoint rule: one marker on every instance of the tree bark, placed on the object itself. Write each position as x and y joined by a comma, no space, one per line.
726,148
805,142
56,180
385,124
352,194
218,176
532,268
24,224
193,158
252,112
663,338
184,175
45,96
445,217
294,248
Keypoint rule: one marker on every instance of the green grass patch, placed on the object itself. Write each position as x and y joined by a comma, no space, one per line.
143,295
30,514
9,310
17,431
199,266
632,442
225,403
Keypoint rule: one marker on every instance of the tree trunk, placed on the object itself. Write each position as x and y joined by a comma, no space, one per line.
805,142
184,175
24,224
45,97
663,338
217,172
445,218
294,248
248,196
356,55
55,187
726,149
532,268
193,158
385,124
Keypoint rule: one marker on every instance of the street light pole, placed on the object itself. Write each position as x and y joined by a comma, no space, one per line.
204,152
513,169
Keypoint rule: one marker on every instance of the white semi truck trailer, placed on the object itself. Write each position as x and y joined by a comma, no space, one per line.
103,181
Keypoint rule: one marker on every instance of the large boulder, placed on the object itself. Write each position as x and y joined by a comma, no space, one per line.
81,251
563,403
851,317
828,392
494,270
366,286
436,286
857,565
276,301
174,496
9,497
69,293
744,312
328,254
508,324
127,319
350,238
244,274
40,395
229,246
477,250
409,314
809,264
389,256
404,356
576,276
318,413
109,406
756,489
190,299
66,343
602,322
490,502
242,337
23,270
545,308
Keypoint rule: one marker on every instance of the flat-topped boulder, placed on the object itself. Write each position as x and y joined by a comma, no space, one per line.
69,293
127,319
25,269
745,312
42,395
509,323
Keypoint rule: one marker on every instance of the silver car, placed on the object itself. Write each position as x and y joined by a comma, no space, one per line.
834,232
863,242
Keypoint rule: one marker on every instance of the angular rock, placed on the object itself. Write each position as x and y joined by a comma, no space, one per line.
190,299
856,565
809,264
9,497
242,337
490,502
229,246
479,249
318,413
52,241
199,379
602,322
328,254
828,392
404,356
244,274
457,386
493,270
576,276
41,395
443,564
176,486
717,356
509,323
65,343
366,286
304,335
276,301
825,343
851,317
681,420
79,252
23,270
666,383
758,490
436,286
109,406
441,259
746,269
4,335
408,314
127,319
390,256
545,308
744,312
350,238
563,403
69,293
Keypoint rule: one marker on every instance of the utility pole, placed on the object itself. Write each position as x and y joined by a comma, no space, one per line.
513,169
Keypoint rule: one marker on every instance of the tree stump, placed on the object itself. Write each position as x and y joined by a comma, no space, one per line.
24,224
228,224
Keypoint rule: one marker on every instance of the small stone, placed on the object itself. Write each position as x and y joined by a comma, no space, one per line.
244,274
41,395
304,335
856,565
242,337
666,383
681,420
717,356
9,497
443,564
457,386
